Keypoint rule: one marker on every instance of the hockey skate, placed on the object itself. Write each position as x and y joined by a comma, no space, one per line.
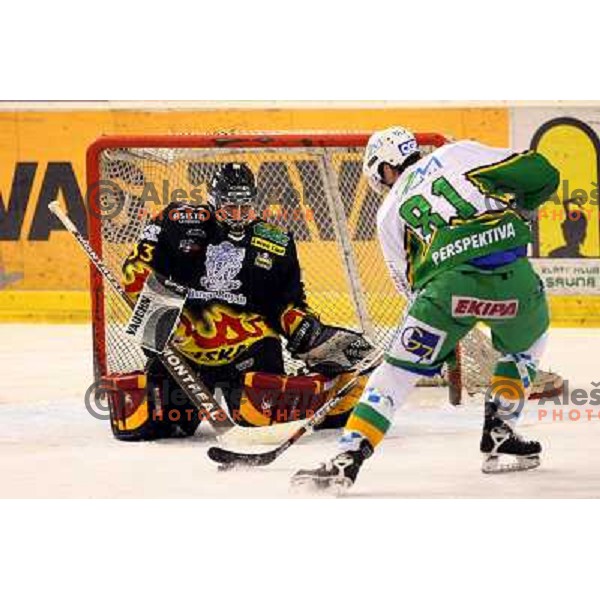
337,474
504,450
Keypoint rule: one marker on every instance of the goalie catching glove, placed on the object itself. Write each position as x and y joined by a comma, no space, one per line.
325,349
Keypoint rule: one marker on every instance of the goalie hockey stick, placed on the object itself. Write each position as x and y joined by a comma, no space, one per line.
231,458
171,358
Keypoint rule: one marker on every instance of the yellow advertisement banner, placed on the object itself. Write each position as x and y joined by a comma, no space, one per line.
567,230
42,158
568,222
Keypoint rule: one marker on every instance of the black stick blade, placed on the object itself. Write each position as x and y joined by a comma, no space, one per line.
241,459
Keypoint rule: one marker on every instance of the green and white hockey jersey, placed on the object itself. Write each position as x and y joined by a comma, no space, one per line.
454,206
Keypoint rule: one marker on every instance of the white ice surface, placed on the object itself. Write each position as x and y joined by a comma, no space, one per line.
50,447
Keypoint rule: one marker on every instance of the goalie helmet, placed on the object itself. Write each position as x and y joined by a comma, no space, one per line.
232,194
392,146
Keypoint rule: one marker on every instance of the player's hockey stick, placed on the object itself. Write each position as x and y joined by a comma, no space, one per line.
171,358
230,458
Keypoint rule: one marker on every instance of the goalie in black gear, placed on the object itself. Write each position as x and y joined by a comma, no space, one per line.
225,286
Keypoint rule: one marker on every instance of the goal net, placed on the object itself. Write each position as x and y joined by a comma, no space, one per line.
311,184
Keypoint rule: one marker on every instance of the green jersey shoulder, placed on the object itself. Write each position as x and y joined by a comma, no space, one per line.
457,204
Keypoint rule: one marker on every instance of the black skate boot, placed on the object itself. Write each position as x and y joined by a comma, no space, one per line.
337,474
499,440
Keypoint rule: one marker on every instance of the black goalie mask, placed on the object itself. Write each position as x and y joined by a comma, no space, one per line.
232,195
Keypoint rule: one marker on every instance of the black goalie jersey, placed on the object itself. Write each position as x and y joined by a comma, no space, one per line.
242,291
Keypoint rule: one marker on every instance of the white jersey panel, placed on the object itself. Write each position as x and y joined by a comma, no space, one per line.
390,230
451,162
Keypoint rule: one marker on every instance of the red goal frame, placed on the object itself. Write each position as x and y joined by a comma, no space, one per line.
266,140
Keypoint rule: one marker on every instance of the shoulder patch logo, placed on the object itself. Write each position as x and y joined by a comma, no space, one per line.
264,260
151,232
263,244
416,177
272,233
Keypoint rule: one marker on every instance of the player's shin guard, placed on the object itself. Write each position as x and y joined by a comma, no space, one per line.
503,449
366,427
371,418
513,379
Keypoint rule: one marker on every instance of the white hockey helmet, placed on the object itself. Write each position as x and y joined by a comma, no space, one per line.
392,146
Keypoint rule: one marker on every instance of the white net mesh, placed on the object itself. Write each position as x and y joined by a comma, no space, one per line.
317,193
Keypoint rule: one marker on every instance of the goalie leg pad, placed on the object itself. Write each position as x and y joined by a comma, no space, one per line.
269,398
130,411
140,410
338,416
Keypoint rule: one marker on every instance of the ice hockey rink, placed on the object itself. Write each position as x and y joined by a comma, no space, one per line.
51,447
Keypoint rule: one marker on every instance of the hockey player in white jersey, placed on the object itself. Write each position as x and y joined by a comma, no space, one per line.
454,237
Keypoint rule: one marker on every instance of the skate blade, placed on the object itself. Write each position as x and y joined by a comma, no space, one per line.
335,486
493,465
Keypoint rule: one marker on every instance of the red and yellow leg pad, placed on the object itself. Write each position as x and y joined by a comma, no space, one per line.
128,401
338,416
134,414
268,398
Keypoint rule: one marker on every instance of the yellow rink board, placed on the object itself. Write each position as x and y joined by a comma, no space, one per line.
46,148
52,276
74,307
